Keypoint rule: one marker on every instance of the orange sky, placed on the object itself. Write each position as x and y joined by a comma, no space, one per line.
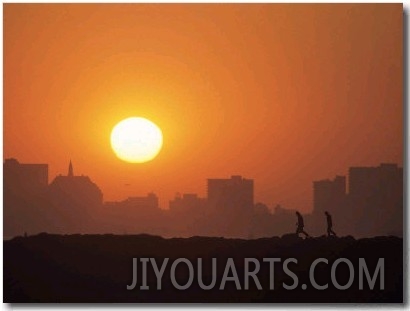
284,94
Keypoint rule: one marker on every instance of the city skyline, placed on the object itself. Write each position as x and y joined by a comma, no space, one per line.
281,93
368,202
337,179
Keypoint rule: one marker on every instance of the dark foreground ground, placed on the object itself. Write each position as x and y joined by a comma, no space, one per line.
97,268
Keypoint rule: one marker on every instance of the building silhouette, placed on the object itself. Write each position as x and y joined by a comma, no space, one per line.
79,190
135,204
25,197
186,203
329,195
230,203
77,199
135,214
373,205
376,199
188,215
366,182
70,170
233,195
149,202
25,178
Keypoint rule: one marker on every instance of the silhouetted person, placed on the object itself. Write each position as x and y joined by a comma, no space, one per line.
300,224
329,224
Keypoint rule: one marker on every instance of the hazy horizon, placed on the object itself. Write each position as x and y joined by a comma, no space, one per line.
201,194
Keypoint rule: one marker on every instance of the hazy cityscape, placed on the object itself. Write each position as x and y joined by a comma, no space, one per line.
367,202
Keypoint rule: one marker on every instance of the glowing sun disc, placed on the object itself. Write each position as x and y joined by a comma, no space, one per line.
136,140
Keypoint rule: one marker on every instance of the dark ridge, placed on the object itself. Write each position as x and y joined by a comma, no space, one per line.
97,268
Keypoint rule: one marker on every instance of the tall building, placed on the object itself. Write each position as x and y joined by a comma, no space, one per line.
366,182
25,197
24,178
329,195
376,199
230,203
232,194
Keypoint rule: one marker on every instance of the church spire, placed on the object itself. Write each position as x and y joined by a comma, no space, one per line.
70,170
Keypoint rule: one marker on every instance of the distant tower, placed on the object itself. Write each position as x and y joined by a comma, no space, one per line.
70,170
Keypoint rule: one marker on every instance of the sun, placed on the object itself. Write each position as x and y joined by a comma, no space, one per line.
136,140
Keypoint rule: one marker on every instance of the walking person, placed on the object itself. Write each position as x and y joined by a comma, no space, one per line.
329,225
300,225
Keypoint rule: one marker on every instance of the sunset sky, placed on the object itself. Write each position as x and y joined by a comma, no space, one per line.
283,94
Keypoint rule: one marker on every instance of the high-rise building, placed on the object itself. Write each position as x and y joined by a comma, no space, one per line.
376,199
366,182
233,194
25,196
329,195
230,203
25,178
